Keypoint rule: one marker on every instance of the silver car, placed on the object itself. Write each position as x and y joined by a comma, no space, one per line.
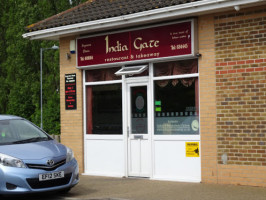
31,161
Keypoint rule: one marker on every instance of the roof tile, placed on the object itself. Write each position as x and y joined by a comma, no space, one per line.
102,9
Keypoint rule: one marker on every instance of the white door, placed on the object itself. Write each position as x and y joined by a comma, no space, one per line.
139,144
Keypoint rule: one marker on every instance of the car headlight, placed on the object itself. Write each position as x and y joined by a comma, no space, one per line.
10,161
70,155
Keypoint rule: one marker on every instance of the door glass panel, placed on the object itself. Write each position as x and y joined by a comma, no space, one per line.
139,110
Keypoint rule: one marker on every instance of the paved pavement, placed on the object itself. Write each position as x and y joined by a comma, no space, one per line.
106,188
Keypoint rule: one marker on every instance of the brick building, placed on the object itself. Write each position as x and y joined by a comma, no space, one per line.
169,90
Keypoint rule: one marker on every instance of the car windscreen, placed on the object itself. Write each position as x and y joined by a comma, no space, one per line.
19,131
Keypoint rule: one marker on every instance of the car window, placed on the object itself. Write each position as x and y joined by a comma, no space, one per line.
6,134
18,130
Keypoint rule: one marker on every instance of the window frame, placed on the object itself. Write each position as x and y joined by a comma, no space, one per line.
158,137
131,70
150,79
85,84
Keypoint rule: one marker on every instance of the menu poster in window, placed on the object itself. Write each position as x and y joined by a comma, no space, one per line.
168,124
70,92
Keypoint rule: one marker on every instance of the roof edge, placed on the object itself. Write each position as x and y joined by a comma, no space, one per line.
157,15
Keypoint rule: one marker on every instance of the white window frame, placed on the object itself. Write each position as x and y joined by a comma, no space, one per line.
138,69
93,136
171,137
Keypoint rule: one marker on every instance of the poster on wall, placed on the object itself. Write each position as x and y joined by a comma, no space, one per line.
70,92
145,44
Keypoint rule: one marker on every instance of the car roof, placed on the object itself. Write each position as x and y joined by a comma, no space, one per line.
5,117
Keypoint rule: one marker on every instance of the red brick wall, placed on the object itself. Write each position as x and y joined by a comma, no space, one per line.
232,73
240,62
240,46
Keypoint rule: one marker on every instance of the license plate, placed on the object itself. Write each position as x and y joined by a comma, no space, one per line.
51,176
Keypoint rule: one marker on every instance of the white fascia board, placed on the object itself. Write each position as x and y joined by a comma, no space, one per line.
141,18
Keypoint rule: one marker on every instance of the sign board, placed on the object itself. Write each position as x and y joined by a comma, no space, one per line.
70,92
145,44
192,149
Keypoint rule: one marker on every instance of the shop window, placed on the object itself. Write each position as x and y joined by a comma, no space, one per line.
102,75
104,109
176,100
176,68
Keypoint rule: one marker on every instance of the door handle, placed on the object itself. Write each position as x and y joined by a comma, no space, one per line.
138,137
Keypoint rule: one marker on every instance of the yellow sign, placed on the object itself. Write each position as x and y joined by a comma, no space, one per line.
192,149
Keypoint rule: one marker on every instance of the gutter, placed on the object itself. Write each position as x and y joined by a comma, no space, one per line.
141,18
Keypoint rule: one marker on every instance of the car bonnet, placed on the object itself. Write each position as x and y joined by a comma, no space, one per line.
35,150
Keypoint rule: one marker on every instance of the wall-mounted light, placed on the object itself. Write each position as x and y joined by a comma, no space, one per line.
72,46
237,8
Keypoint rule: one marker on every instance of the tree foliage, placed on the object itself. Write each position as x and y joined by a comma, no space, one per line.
20,62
